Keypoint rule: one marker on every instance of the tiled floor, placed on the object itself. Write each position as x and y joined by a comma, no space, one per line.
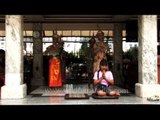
44,95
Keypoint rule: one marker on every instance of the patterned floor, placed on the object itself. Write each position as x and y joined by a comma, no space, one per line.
43,95
71,88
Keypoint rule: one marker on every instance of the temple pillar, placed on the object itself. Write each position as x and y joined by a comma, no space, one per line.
38,79
14,86
118,56
147,57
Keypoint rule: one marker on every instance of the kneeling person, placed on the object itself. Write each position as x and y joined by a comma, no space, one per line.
103,78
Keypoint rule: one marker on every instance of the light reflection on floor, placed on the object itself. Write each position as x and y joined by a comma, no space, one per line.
48,97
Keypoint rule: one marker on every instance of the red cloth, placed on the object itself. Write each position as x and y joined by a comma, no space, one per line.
55,76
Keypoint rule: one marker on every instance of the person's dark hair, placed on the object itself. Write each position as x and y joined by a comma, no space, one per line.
103,62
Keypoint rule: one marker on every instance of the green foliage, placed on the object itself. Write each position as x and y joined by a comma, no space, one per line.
109,56
131,54
83,48
82,51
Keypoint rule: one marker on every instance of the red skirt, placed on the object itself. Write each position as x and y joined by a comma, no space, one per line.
55,76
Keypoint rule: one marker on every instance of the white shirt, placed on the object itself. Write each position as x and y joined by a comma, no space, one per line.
108,75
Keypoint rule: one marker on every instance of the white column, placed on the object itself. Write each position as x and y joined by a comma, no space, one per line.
14,87
38,78
147,57
117,58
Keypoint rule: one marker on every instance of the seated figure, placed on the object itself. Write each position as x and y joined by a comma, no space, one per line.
103,78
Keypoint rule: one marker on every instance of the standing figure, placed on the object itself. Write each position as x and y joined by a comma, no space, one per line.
90,60
100,50
54,51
